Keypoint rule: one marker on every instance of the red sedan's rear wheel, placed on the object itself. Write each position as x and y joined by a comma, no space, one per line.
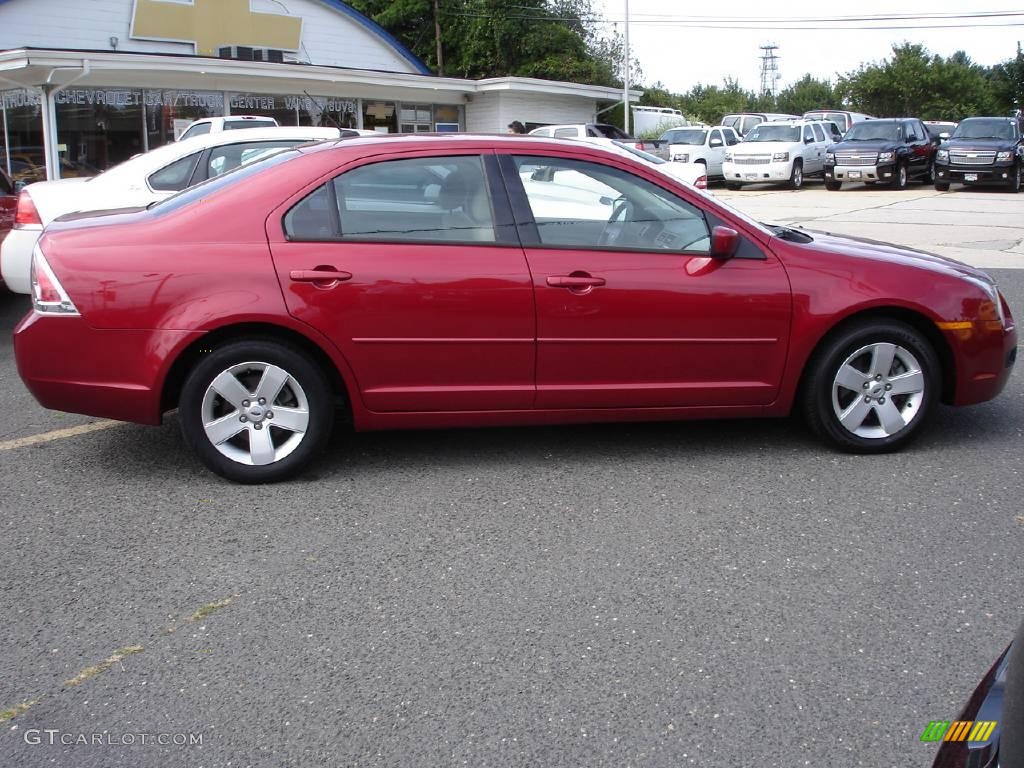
871,388
256,411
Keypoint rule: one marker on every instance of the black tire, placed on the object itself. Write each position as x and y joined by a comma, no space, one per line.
306,389
942,186
1013,185
900,177
796,176
822,396
930,176
833,186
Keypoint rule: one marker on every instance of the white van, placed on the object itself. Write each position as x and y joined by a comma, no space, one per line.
840,117
651,120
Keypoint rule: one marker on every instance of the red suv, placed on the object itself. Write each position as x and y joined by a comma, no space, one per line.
471,280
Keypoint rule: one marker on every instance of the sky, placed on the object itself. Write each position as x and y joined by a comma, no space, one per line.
681,56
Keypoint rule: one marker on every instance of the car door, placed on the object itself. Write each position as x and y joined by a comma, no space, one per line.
410,264
716,152
812,153
631,311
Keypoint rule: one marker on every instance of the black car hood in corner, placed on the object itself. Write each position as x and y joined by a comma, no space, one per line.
871,145
980,145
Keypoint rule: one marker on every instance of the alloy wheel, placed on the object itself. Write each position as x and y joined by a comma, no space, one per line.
878,390
255,413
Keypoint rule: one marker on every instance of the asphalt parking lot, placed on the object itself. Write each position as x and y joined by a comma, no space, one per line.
715,594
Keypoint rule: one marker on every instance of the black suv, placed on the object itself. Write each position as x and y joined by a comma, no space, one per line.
982,150
893,150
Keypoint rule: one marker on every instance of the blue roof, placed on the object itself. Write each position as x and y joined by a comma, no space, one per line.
376,29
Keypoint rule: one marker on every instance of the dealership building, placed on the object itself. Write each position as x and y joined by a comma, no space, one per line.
86,84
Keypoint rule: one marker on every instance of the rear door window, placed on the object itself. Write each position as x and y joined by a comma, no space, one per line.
176,176
229,156
430,199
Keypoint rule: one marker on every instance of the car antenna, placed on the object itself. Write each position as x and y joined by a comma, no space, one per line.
324,112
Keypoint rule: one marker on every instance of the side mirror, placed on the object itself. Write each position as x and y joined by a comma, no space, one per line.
808,141
715,143
944,135
724,242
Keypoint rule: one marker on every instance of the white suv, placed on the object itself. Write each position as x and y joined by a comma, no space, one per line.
701,144
783,151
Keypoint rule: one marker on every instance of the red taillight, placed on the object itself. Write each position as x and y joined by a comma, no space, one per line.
701,183
26,215
48,296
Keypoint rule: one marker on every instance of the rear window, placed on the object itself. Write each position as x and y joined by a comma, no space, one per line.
235,125
196,130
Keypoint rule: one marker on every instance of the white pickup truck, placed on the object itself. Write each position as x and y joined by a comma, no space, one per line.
655,147
701,144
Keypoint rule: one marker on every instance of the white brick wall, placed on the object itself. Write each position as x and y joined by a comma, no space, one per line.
330,37
492,111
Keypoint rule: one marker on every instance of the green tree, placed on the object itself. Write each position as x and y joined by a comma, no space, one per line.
914,83
807,94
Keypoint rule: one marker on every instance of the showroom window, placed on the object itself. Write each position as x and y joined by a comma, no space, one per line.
416,118
169,112
21,135
380,116
302,109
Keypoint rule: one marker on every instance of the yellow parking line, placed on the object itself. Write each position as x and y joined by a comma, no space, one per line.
57,434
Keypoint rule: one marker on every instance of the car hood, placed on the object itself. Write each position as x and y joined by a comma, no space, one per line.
875,145
876,250
983,145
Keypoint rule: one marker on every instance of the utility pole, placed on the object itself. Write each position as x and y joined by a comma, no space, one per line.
769,69
625,76
437,37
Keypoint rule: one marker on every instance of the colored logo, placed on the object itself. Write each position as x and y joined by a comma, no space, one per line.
212,24
958,730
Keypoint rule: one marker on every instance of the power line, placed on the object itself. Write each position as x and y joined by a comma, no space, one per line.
742,26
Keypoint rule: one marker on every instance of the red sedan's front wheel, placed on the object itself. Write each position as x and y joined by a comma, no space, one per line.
256,411
871,388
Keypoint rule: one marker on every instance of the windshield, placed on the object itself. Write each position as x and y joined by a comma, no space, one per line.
873,130
688,136
646,156
836,117
985,128
769,132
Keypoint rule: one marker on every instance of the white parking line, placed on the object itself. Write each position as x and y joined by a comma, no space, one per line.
58,434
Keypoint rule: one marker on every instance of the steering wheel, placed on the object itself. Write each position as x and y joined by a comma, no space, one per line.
622,212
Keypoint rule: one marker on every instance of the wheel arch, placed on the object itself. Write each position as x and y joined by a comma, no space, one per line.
263,331
916,320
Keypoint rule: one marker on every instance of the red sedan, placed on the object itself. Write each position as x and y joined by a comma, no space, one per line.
485,280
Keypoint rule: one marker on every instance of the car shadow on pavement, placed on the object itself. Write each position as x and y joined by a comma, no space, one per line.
161,452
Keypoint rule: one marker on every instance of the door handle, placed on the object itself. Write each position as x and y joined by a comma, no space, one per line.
321,275
575,281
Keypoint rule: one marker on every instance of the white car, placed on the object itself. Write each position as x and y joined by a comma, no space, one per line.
693,174
140,181
785,151
702,144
